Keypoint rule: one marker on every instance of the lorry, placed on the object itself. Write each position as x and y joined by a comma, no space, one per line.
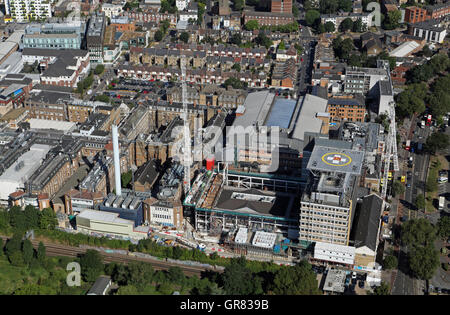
441,202
408,145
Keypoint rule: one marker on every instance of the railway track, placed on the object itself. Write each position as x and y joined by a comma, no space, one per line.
53,249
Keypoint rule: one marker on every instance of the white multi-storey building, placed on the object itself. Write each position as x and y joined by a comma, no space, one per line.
112,10
182,4
26,10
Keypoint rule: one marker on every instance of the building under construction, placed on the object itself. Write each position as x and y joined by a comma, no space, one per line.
226,200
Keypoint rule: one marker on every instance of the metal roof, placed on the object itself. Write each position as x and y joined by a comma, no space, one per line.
306,120
281,113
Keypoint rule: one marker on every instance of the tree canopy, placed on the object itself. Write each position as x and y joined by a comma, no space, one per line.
311,16
423,261
251,25
437,141
91,265
411,100
418,232
297,280
239,280
443,227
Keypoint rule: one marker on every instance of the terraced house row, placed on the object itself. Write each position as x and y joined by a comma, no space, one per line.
196,54
202,76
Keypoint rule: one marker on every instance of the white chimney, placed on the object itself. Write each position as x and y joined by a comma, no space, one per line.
117,174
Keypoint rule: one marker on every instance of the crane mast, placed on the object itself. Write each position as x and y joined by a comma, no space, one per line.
186,132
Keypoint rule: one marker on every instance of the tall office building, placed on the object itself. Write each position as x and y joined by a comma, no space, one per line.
327,206
94,37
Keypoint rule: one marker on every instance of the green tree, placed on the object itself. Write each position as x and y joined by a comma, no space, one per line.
158,35
47,219
321,28
398,188
127,290
311,16
165,24
354,60
426,51
126,178
392,20
13,244
420,202
423,261
236,39
436,142
28,252
295,11
139,274
342,48
329,27
102,98
411,100
91,265
359,26
297,280
176,275
328,6
17,218
239,280
346,25
238,5
390,262
418,232
236,67
31,217
383,289
99,69
16,259
184,37
282,45
1,247
251,25
443,227
263,40
346,5
41,253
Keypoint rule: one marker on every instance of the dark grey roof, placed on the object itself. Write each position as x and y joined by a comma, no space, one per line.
278,208
99,286
369,221
147,173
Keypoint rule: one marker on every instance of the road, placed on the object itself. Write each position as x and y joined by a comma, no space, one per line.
404,283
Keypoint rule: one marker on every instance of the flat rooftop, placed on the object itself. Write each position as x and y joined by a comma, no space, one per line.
281,113
254,201
332,159
103,216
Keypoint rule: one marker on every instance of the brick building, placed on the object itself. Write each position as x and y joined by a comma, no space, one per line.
348,109
281,6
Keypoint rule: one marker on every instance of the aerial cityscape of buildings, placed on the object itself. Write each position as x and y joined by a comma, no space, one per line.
269,129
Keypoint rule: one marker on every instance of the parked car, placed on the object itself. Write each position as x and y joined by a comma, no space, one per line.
361,284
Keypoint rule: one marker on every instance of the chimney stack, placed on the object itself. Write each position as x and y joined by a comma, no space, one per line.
115,139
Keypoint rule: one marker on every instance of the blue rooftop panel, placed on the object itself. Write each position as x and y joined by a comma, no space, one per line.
281,113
